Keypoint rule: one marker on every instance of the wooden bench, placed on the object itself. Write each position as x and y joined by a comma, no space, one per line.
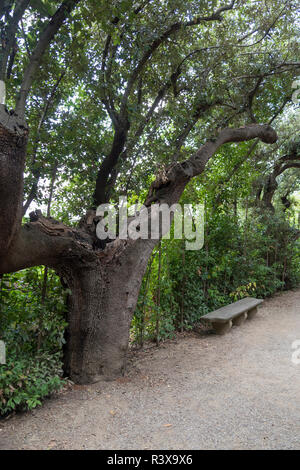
233,314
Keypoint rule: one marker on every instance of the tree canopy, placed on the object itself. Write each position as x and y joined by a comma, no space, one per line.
132,87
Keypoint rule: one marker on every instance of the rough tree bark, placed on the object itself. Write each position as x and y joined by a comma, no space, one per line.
101,307
13,142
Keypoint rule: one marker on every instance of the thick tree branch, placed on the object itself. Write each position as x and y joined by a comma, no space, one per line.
44,241
45,39
108,173
109,162
8,39
178,175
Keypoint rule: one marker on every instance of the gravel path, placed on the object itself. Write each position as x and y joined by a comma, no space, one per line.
202,391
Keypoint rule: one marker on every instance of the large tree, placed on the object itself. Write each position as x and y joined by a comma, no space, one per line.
112,92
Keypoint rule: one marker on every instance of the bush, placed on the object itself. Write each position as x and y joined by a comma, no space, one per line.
25,381
32,327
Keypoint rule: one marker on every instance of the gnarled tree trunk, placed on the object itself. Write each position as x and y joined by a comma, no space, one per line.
101,305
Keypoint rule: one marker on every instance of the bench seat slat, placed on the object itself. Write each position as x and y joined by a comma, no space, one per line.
231,311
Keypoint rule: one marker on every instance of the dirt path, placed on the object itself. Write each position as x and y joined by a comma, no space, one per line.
202,391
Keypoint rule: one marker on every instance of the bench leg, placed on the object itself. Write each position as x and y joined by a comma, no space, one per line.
222,328
251,313
237,321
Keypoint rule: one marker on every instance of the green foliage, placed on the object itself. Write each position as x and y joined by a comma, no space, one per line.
32,326
26,380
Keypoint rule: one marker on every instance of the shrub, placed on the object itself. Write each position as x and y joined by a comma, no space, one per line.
25,381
